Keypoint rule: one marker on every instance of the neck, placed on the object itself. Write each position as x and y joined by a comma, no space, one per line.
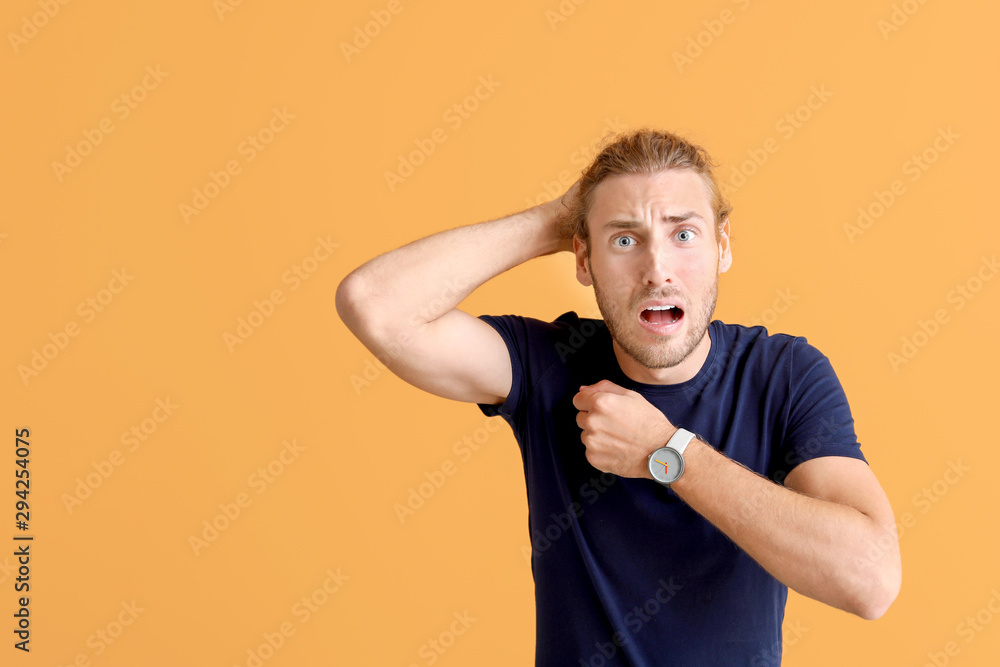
682,372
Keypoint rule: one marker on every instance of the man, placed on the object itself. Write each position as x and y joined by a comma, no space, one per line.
681,472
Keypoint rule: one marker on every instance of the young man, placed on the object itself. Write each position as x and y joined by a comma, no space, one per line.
681,472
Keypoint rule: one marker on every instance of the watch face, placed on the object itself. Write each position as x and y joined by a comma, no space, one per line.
666,465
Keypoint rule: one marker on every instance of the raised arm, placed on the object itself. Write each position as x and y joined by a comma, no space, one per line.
402,304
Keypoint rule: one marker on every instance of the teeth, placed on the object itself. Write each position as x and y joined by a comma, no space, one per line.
661,307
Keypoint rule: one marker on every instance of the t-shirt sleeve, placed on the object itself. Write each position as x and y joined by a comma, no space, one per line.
513,330
818,418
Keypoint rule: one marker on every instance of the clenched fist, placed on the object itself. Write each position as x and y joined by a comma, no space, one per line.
620,428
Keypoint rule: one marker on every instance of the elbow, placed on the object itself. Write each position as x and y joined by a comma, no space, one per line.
349,301
881,594
876,607
362,312
344,300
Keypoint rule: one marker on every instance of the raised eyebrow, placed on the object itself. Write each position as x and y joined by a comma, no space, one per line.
684,217
621,224
672,219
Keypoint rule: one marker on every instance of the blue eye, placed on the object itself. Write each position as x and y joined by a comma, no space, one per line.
623,238
685,235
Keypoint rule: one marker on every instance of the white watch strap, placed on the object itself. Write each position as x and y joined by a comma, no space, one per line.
680,440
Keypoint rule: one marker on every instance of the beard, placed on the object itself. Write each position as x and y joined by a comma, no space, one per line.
667,352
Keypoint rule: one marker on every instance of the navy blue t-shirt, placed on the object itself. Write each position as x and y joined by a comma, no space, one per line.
625,572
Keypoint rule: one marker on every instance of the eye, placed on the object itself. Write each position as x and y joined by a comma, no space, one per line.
685,235
618,241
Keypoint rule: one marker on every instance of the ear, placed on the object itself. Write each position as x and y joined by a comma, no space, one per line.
582,266
725,251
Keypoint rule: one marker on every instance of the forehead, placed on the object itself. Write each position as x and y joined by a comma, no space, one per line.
648,197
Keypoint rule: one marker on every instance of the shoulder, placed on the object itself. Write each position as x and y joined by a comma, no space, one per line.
568,341
766,353
568,328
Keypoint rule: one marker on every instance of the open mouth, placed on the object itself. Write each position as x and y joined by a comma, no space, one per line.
662,315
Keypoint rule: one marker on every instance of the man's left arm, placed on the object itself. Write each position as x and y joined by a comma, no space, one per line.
829,533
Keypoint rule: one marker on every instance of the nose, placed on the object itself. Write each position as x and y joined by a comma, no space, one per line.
657,264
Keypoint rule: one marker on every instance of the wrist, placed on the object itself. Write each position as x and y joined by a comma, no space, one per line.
664,432
549,228
554,219
694,456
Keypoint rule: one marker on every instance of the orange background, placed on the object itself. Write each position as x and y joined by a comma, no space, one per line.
363,438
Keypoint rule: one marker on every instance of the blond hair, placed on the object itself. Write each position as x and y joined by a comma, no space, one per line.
642,151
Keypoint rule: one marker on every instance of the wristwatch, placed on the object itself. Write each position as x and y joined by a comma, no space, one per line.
666,464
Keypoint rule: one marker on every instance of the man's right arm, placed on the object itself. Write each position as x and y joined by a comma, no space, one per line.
402,304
